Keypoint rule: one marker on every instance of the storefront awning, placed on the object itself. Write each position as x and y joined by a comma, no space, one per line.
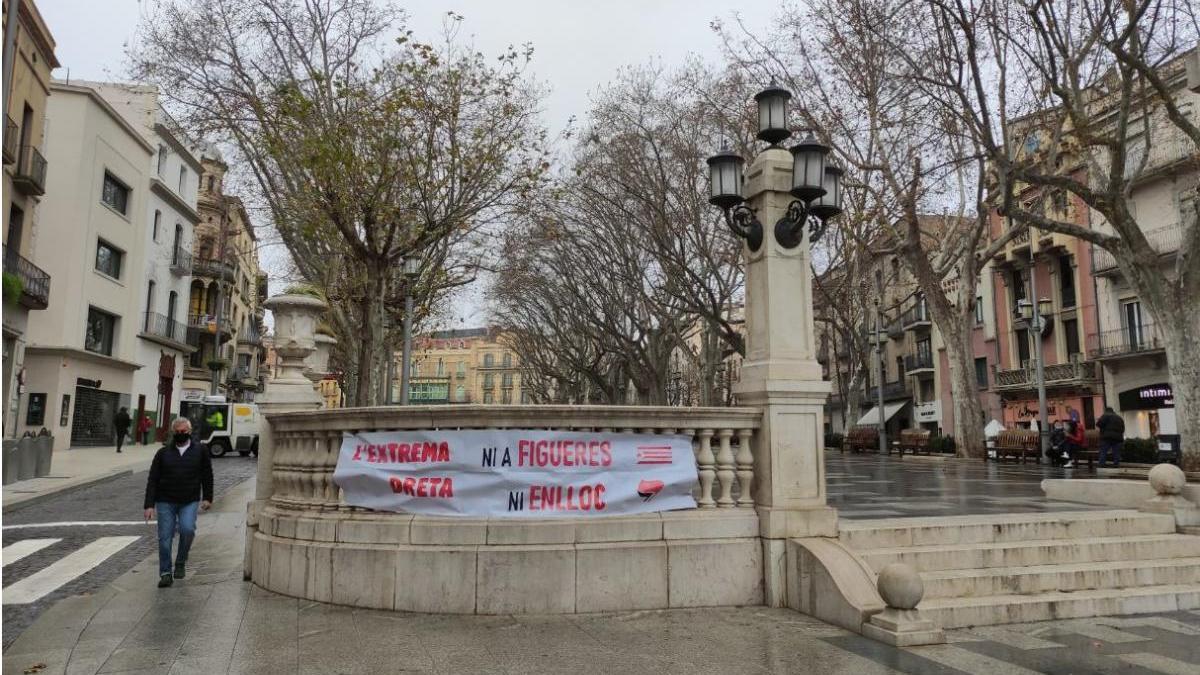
889,410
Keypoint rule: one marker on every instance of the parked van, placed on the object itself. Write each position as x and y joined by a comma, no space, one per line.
224,426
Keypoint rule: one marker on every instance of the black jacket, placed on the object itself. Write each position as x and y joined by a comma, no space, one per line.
121,422
180,479
1112,427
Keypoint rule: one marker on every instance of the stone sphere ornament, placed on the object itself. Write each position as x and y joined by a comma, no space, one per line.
1167,479
900,586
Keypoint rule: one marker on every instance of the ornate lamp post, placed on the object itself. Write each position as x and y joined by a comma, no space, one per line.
1033,317
412,270
796,190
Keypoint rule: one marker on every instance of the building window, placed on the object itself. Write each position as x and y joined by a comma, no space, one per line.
414,370
507,360
171,310
182,178
1066,281
461,369
524,398
149,304
489,397
506,396
101,326
1016,289
115,194
1022,337
1071,333
210,183
981,372
1131,321
157,220
108,259
979,310
162,160
489,360
460,393
506,380
441,368
489,381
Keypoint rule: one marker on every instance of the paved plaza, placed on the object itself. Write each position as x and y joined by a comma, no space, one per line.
213,622
873,486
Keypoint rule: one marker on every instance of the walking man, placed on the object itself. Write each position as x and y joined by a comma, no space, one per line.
1112,436
121,426
179,485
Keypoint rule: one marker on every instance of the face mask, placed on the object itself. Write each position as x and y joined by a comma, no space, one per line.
182,437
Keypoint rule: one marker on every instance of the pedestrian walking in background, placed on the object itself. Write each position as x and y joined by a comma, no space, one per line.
143,429
1112,436
121,426
179,486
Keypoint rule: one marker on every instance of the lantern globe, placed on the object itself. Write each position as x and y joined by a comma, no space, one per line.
829,204
1045,307
772,114
1025,310
808,169
725,179
412,267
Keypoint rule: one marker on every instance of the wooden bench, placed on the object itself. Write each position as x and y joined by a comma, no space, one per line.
1017,444
1091,449
914,441
861,439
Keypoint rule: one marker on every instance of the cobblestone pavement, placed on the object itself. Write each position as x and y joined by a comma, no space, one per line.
118,500
873,486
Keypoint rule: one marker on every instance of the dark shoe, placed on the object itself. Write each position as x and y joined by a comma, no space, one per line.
118,449
178,570
165,581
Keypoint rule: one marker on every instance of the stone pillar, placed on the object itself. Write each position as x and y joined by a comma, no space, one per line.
781,375
288,390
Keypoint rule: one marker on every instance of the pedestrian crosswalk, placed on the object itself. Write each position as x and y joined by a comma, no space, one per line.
58,573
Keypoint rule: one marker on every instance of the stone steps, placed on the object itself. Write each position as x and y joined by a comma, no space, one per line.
899,532
986,570
1064,577
1001,609
1014,554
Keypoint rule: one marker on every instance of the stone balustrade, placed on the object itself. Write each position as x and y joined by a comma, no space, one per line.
306,443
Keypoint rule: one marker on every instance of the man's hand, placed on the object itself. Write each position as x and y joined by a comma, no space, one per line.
149,513
205,505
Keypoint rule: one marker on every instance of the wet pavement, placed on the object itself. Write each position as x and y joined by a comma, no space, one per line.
874,486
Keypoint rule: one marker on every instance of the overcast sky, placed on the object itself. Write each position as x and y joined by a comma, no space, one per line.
578,44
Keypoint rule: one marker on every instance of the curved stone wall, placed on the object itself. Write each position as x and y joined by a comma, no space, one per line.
471,566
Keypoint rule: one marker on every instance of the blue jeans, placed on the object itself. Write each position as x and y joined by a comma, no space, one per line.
1113,447
170,515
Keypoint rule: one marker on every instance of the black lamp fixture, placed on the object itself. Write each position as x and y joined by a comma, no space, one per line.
816,184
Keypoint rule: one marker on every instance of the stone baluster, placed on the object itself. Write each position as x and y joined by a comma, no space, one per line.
725,469
332,451
705,460
745,469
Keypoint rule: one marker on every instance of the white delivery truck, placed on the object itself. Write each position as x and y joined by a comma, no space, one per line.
224,426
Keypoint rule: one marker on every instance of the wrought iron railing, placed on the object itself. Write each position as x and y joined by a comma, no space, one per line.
1162,240
35,282
163,326
915,316
10,140
1124,341
181,262
206,267
1074,372
918,362
30,176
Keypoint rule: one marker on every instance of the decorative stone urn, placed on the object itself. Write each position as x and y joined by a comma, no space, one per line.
318,362
1168,481
296,319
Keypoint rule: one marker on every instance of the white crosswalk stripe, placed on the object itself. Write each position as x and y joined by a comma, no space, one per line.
62,571
14,552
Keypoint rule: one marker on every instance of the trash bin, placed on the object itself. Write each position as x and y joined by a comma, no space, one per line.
11,462
26,458
1169,448
45,450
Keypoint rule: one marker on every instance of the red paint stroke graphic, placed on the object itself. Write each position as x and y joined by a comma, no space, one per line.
648,488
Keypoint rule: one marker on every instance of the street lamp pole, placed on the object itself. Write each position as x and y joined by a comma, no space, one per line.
1035,334
883,446
412,269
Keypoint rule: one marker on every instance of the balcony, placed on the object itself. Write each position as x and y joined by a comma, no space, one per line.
918,364
164,330
891,390
1164,241
30,175
206,324
35,283
916,317
1076,373
181,263
214,269
875,336
249,337
1124,342
10,140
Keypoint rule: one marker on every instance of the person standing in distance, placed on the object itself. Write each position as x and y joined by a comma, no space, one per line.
1112,436
121,426
179,485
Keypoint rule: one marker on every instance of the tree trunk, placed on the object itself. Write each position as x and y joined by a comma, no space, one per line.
371,340
964,391
1179,331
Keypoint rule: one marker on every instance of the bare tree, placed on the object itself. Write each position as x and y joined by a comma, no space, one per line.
365,155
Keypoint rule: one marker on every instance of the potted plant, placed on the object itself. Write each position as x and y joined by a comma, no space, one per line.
13,287
217,364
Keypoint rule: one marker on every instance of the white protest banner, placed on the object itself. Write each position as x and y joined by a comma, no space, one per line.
517,473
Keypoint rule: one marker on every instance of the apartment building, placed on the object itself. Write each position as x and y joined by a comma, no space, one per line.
471,365
228,288
1126,342
175,169
26,285
82,355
